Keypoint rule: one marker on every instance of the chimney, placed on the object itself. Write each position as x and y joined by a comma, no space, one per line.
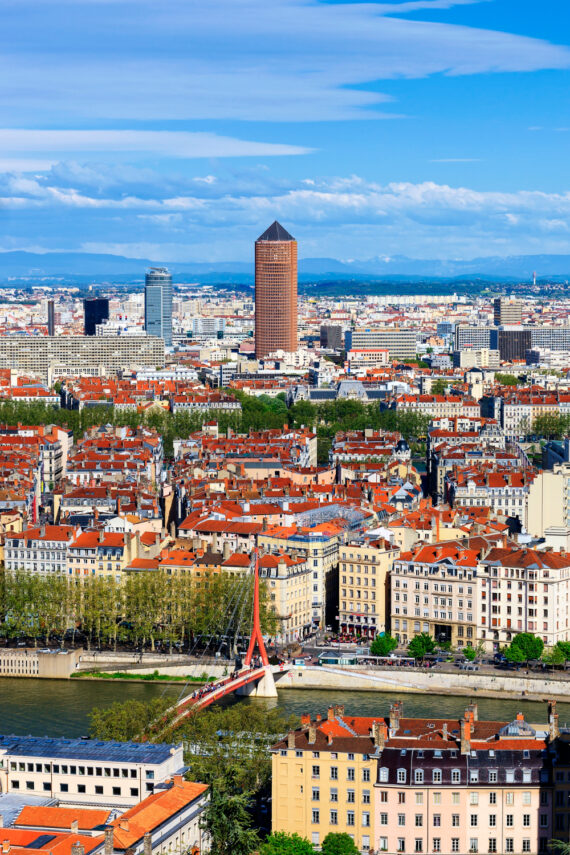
77,849
329,739
339,709
465,725
396,710
75,826
291,739
305,719
147,843
319,718
379,734
178,780
444,731
5,846
109,845
330,714
226,550
312,734
474,710
554,730
1,821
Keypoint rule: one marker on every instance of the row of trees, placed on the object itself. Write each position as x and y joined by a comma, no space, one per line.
147,607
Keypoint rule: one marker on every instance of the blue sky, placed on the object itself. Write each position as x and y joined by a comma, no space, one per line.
177,130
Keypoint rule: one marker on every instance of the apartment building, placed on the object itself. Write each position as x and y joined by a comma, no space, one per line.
523,590
43,550
404,785
438,406
434,590
52,356
505,492
104,554
549,503
85,771
364,586
399,342
323,780
289,582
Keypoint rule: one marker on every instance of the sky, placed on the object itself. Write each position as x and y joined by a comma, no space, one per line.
178,130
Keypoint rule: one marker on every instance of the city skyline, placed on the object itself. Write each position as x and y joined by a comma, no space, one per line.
400,127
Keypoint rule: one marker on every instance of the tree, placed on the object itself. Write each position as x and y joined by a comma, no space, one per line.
420,645
228,823
383,645
339,844
125,721
439,386
553,656
473,653
564,647
281,843
523,647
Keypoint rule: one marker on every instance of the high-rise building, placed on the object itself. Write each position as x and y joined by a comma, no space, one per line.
275,291
331,337
51,317
512,342
507,311
401,343
158,303
95,311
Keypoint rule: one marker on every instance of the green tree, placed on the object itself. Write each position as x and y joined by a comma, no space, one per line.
564,647
553,656
228,822
439,386
472,653
126,721
339,844
383,645
523,647
281,843
421,645
506,379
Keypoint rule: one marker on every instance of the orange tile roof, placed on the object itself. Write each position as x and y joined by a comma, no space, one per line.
58,817
153,811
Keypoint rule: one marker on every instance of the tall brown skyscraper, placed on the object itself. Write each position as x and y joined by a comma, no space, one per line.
275,291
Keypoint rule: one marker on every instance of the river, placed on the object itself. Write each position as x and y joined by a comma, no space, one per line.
61,707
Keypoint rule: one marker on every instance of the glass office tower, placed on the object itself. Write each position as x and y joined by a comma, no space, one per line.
158,304
95,312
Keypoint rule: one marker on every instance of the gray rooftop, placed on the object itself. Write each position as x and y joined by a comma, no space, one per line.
12,804
276,232
85,749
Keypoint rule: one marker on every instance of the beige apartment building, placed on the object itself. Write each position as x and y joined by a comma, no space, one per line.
53,356
549,503
289,582
434,590
364,586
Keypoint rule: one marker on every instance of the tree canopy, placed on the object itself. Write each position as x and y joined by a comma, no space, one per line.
421,645
523,647
228,822
383,645
339,844
281,843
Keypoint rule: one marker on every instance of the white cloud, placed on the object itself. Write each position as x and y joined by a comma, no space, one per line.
286,60
179,144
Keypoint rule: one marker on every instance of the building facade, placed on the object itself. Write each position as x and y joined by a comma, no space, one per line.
158,304
95,311
275,292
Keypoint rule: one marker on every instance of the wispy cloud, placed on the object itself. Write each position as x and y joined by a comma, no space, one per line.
179,144
290,60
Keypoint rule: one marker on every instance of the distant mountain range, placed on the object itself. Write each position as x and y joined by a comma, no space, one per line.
89,266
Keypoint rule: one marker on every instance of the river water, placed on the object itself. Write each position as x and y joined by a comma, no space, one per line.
61,707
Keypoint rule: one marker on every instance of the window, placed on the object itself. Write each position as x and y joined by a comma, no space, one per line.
436,776
350,796
455,820
419,798
455,844
509,844
401,776
401,819
365,819
366,775
334,817
437,820
47,786
401,798
455,776
474,798
473,776
383,844
383,819
30,785
526,845
510,776
492,844
401,844
436,844
316,771
315,817
81,788
419,776
315,839
384,796
544,820
526,798
492,798
116,791
134,791
316,794
365,797
492,819
334,773
419,820
350,817
493,776
455,798
437,798
99,790
509,798
64,788
334,794
383,777
474,820
473,844
350,774
526,820
419,845
509,820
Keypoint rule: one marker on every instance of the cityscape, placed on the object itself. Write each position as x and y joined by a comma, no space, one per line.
284,428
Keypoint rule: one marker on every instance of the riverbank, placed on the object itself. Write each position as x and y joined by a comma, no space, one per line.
462,684
138,677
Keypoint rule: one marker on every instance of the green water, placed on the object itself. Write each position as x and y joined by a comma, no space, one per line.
61,707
